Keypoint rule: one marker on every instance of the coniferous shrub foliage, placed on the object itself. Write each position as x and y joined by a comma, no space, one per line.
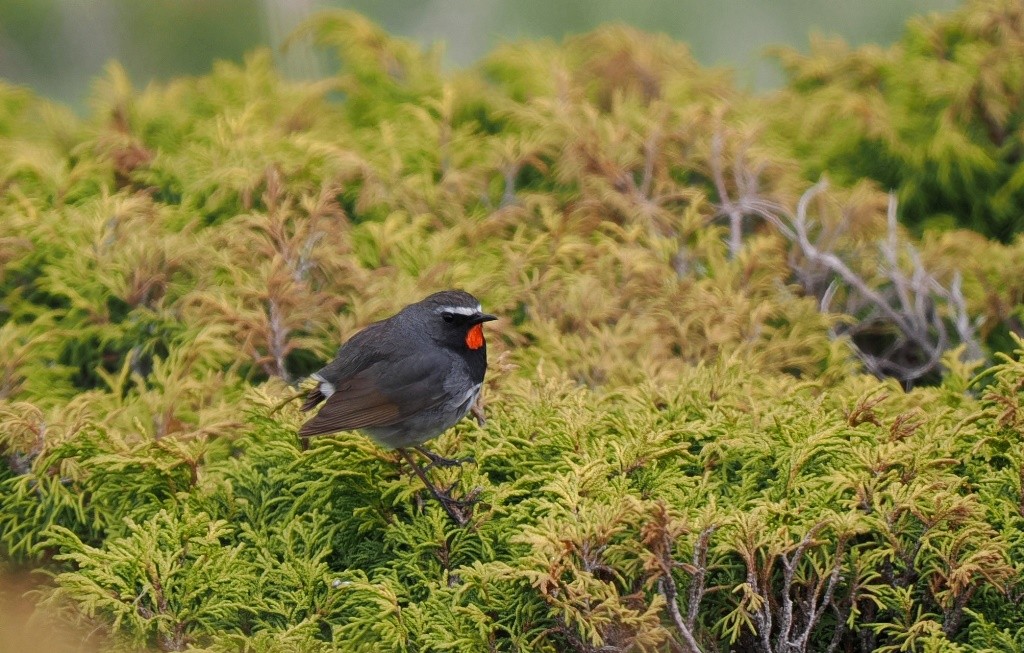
685,448
936,117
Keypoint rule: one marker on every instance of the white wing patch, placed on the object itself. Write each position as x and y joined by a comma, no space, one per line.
326,388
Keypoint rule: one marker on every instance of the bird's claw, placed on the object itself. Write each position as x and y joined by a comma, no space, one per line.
460,510
437,460
468,501
444,463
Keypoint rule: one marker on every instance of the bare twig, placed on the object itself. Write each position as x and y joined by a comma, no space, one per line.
819,600
659,536
278,341
789,565
730,209
909,307
697,586
667,588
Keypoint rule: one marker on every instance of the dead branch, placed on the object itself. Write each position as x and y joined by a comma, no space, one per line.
908,306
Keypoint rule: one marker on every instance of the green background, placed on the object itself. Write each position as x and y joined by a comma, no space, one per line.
58,46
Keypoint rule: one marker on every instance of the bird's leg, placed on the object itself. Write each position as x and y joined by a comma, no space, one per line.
440,461
453,507
437,460
478,413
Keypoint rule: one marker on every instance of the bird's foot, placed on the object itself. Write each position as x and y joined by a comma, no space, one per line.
468,501
460,510
440,461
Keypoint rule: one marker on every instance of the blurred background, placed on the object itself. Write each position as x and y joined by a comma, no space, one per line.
57,47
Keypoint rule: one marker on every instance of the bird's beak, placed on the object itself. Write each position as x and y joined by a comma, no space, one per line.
483,317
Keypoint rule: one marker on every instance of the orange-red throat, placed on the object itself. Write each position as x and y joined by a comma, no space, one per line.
475,336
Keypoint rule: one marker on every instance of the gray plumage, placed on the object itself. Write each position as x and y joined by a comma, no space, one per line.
406,379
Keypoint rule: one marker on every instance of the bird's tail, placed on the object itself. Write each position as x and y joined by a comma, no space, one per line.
312,399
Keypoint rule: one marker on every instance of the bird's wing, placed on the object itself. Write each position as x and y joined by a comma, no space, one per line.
357,354
381,394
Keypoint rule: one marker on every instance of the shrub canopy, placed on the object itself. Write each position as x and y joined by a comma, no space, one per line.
683,451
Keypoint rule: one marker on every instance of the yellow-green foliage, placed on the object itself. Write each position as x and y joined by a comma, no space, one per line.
678,453
936,117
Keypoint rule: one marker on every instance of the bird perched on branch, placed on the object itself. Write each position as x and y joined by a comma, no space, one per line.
407,379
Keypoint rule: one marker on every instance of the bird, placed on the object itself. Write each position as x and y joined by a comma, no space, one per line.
406,379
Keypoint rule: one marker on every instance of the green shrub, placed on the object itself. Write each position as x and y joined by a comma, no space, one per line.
936,117
682,450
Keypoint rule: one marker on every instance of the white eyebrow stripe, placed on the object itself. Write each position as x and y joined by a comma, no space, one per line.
458,310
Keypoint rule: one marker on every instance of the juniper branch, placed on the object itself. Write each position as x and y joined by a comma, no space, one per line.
697,583
667,588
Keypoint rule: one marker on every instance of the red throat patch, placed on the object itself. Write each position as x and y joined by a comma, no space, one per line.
475,336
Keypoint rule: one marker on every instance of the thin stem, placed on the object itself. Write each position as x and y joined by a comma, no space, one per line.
667,587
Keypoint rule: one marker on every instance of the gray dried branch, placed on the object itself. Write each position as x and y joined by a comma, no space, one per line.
667,588
697,584
907,304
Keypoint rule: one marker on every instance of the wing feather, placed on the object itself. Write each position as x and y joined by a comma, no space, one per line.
383,394
332,420
313,398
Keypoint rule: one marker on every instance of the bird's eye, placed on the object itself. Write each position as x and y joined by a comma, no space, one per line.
448,316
